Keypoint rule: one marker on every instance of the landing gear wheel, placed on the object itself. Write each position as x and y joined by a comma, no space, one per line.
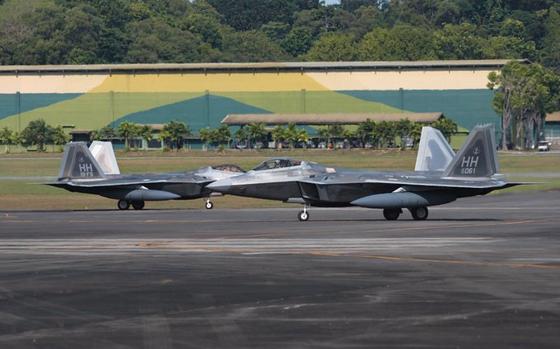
391,214
209,205
123,205
303,216
419,213
138,205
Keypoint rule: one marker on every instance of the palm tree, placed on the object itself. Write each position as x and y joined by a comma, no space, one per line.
302,136
223,135
206,135
291,134
278,136
176,132
127,130
256,131
145,132
164,137
241,135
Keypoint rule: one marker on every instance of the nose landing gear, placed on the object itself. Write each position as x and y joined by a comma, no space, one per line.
303,216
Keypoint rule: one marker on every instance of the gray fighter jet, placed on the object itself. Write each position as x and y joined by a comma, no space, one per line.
81,172
440,177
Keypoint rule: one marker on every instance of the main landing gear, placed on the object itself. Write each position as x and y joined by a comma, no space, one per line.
125,205
303,215
208,204
392,214
138,205
418,213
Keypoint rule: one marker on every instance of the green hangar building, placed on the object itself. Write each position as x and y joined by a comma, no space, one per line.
88,97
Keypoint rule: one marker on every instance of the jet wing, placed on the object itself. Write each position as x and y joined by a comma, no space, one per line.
419,183
109,183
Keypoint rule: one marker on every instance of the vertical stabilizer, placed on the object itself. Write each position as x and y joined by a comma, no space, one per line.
477,157
105,156
434,153
77,162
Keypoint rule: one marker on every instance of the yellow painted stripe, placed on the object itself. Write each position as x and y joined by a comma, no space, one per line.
258,82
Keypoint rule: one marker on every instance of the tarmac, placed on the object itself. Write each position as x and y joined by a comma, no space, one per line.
479,273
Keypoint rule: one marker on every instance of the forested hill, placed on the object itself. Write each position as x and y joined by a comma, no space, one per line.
150,31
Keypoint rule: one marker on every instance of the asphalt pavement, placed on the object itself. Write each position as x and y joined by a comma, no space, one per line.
480,272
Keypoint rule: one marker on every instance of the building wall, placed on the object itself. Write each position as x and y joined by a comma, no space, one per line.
552,132
91,101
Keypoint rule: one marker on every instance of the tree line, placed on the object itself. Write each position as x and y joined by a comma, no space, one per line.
525,93
36,134
368,134
152,31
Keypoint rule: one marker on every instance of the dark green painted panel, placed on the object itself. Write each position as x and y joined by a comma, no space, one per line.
552,130
198,112
466,107
12,104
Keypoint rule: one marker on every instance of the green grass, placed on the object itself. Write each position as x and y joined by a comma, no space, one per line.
24,193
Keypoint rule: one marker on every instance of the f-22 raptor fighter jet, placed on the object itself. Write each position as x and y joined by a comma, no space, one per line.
440,177
81,172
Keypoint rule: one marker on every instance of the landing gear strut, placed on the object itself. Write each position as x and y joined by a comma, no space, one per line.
392,214
419,213
208,204
123,205
138,205
303,216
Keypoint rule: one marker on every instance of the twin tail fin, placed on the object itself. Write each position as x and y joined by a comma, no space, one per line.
477,157
78,162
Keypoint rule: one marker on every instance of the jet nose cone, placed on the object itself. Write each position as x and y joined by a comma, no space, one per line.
220,186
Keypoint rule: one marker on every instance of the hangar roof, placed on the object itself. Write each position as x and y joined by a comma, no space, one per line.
326,119
251,67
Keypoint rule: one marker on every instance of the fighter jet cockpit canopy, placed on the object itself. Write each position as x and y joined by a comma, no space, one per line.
228,168
276,163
